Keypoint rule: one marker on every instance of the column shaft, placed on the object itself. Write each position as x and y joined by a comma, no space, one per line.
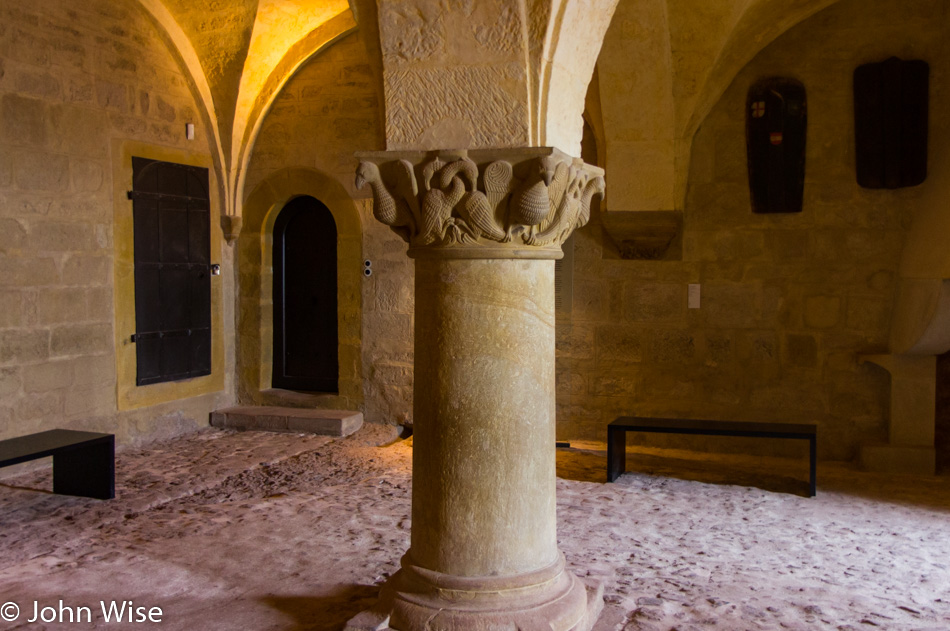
484,462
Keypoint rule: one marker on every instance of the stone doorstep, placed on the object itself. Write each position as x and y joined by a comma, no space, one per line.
281,419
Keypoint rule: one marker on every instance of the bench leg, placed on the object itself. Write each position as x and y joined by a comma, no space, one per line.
616,453
86,471
813,466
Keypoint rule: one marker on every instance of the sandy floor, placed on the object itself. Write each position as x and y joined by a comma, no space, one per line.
257,531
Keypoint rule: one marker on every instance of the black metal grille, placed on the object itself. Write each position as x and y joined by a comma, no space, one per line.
171,210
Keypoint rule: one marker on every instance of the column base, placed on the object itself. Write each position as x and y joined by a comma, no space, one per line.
416,599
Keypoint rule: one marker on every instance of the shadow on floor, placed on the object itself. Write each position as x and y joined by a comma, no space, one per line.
778,475
328,612
591,466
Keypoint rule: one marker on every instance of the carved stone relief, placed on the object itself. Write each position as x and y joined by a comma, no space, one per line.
478,99
411,32
494,199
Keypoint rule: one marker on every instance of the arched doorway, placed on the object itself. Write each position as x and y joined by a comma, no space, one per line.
305,298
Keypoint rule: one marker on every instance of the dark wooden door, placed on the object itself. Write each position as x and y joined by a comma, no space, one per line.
305,298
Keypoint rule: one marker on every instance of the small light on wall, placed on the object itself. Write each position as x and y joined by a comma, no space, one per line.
367,268
216,269
190,131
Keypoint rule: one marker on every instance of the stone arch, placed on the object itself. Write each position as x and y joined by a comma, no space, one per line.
255,284
254,111
673,74
271,54
757,26
594,118
573,40
178,44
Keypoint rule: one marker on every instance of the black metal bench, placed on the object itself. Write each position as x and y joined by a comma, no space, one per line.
617,443
83,462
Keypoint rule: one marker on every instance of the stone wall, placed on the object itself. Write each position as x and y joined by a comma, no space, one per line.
324,114
388,325
76,78
789,302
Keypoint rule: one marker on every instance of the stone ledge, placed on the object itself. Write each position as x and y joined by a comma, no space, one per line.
651,235
282,419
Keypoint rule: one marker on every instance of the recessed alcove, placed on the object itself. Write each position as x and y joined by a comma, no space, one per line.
255,268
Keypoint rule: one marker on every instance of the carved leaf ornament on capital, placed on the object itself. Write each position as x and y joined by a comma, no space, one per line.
534,198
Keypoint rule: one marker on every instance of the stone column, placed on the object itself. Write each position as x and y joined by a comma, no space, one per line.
484,228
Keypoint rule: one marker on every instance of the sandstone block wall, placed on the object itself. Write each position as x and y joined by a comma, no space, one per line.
388,325
75,77
788,302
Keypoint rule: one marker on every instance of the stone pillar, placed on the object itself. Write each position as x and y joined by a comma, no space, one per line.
484,228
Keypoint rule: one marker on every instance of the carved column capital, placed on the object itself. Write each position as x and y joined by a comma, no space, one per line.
486,203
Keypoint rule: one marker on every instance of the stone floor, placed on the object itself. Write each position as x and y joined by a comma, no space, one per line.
227,530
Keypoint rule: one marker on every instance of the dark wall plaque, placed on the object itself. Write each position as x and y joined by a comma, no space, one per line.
775,145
